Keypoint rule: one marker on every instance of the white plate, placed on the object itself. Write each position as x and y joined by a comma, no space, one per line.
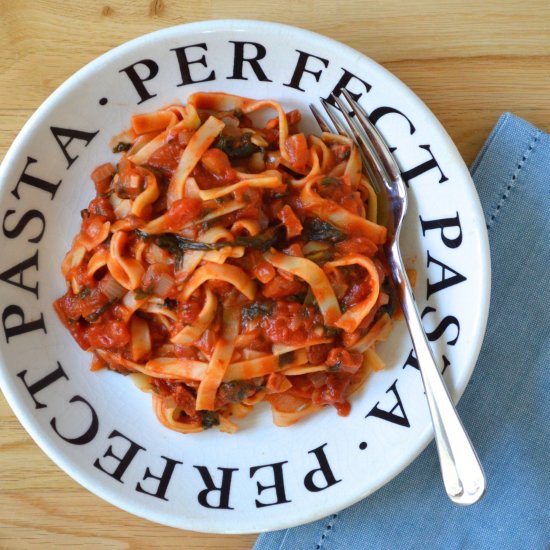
274,477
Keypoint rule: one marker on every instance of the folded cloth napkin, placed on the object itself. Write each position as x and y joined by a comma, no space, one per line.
506,407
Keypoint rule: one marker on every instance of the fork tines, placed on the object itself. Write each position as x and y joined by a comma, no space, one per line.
377,158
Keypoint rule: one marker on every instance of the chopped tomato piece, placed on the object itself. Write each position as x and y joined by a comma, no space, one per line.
292,118
290,221
102,177
73,306
129,183
113,334
291,322
340,151
317,355
217,163
188,311
334,391
167,157
97,363
358,292
181,212
264,271
357,245
297,149
185,400
92,226
341,359
101,206
295,249
279,287
185,352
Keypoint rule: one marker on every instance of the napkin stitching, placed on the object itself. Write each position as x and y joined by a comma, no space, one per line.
326,530
514,179
502,121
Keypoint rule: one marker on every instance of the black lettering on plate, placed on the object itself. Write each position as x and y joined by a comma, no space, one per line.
239,60
163,479
22,327
324,472
34,181
19,269
378,113
223,489
20,226
442,224
278,484
138,80
445,281
44,382
446,363
390,415
342,84
411,361
184,64
90,432
424,167
123,461
70,135
301,69
444,324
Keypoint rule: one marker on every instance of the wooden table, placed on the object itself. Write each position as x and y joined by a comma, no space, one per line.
468,60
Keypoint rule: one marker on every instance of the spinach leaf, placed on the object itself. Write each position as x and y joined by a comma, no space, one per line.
121,146
263,241
236,147
176,244
141,294
286,358
170,303
256,309
316,229
99,312
391,306
329,181
237,390
321,256
209,419
332,332
84,293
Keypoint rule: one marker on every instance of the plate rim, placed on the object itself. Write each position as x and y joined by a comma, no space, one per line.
24,413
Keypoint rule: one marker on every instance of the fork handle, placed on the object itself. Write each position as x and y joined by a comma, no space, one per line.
461,470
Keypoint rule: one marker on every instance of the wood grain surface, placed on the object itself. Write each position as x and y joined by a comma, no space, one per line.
468,60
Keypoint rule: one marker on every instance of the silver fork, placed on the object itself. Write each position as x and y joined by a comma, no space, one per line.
461,470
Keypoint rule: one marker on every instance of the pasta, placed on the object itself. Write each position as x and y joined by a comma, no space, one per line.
226,262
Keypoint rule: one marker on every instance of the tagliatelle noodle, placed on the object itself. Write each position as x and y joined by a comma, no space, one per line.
225,263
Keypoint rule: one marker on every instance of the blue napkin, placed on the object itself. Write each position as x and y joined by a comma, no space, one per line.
506,407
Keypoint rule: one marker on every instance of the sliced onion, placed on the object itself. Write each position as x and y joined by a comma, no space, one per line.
163,285
142,381
154,254
141,338
318,379
111,288
123,209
